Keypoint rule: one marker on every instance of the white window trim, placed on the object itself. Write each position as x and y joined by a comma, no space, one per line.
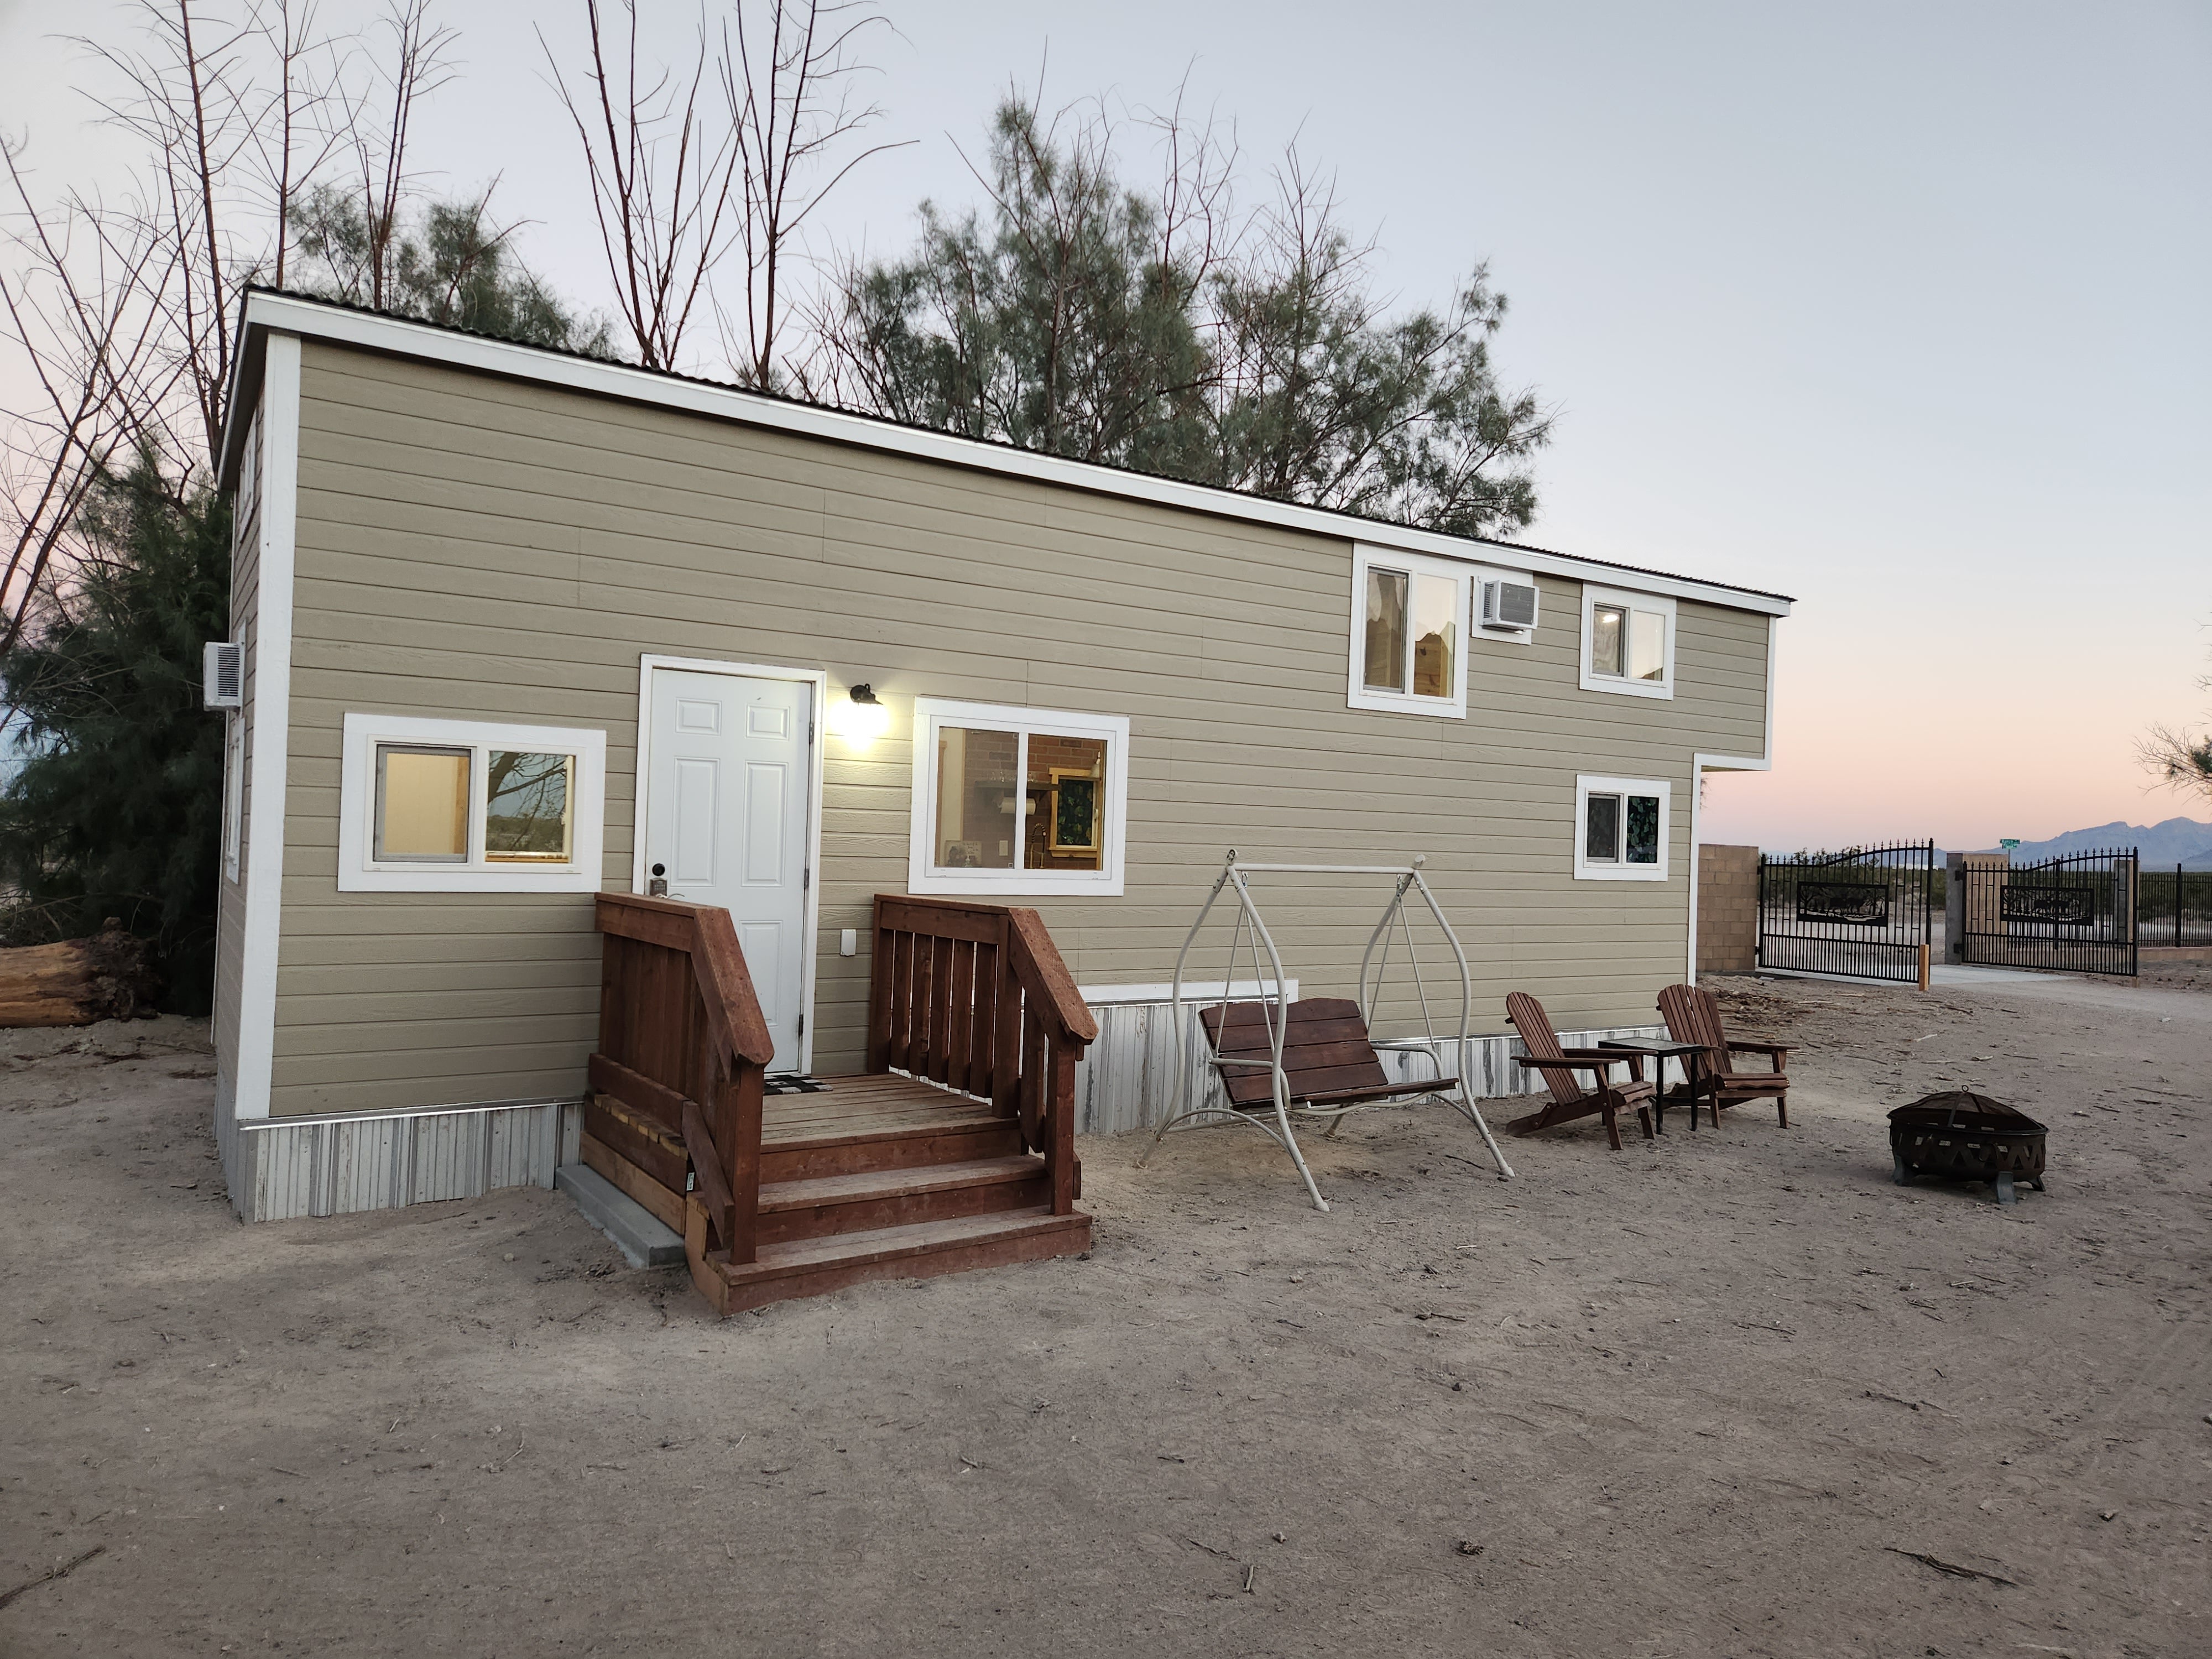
930,712
234,793
1614,684
359,872
1359,695
1585,787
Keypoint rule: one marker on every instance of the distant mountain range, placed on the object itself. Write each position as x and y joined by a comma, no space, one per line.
2184,841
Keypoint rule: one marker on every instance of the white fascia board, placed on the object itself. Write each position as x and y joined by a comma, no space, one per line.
279,312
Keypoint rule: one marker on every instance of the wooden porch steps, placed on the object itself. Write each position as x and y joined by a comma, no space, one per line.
875,1178
921,1249
868,1200
955,1150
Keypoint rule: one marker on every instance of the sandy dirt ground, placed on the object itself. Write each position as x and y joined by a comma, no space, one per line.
1729,1393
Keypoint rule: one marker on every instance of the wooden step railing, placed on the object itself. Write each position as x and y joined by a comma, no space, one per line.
976,997
682,1041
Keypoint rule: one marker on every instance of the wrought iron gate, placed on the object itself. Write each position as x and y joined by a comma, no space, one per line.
1867,912
2075,913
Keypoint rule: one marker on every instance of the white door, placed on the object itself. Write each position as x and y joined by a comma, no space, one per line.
725,819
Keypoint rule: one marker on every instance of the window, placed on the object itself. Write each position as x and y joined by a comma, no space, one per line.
469,807
1017,800
1628,643
1409,621
234,793
1620,828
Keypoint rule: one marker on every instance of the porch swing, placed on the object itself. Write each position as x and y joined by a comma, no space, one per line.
1313,1057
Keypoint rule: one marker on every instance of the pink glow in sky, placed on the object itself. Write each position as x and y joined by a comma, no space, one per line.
1895,308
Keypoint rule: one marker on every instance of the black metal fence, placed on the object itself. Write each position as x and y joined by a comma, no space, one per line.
1867,912
2173,906
2075,913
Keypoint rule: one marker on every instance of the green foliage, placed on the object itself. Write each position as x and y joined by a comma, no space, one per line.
450,265
116,808
2180,758
1087,319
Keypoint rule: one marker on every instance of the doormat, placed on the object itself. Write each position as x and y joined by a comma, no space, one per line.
791,1083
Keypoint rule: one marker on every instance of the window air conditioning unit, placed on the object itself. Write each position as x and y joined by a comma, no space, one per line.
222,675
1508,604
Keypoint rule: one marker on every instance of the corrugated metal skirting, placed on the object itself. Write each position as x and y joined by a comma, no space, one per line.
281,1170
1126,1081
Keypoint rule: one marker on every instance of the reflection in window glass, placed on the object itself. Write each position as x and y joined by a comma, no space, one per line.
526,807
1436,635
1643,829
1066,792
1601,833
1386,630
977,798
421,804
1647,645
1608,623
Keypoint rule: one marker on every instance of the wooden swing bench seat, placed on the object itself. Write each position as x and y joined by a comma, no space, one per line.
1329,1062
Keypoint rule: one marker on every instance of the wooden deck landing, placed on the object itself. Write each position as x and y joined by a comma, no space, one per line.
873,1103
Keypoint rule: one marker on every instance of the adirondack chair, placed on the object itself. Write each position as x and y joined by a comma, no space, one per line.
1693,1015
1559,1067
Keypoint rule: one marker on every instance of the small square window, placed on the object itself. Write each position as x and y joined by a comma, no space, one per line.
1628,643
1622,825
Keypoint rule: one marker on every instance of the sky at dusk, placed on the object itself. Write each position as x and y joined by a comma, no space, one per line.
1895,308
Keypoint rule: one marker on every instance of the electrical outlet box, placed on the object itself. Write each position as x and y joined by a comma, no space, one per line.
849,942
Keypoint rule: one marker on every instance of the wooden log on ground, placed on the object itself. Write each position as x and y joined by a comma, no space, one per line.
77,981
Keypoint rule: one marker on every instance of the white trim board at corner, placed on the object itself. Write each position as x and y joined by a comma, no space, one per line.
254,1064
399,337
810,927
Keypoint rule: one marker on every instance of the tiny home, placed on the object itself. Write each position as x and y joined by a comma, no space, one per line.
520,634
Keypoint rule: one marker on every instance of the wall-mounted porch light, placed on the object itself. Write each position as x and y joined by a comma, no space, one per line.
860,717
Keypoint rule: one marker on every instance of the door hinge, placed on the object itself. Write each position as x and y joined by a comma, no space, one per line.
809,731
802,1026
806,880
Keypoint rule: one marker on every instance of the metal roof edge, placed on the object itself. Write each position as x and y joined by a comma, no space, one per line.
268,310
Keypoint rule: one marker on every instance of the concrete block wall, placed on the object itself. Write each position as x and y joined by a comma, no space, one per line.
1727,909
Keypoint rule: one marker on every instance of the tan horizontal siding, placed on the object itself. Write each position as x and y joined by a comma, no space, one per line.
469,546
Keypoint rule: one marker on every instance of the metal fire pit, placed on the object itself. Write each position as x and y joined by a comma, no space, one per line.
1967,1137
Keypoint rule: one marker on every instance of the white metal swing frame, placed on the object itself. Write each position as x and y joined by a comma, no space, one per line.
1274,1012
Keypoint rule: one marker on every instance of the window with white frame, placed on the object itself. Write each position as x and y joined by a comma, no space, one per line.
1628,643
440,805
1620,828
1409,622
234,793
1017,800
